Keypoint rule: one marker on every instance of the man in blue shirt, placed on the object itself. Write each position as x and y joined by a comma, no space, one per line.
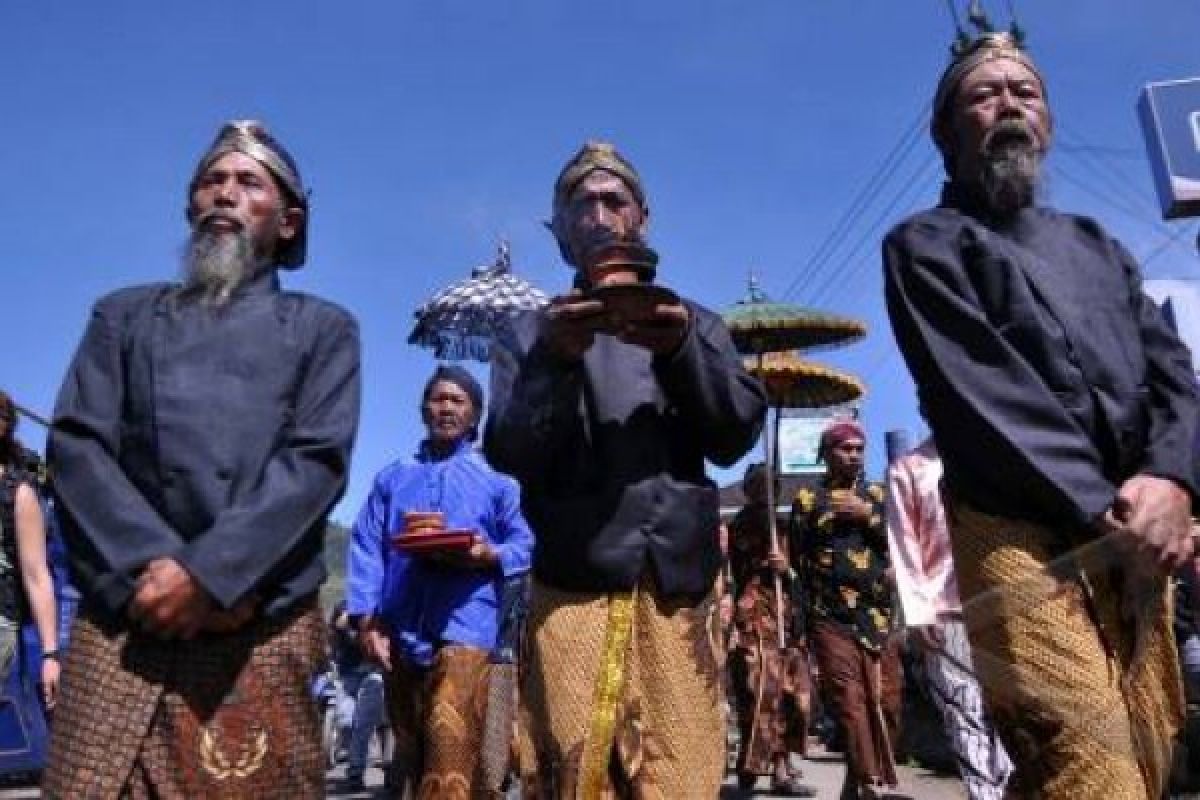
431,620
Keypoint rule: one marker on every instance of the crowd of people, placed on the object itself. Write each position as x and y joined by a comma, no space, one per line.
204,429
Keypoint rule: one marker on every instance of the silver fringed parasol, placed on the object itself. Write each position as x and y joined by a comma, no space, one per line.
461,321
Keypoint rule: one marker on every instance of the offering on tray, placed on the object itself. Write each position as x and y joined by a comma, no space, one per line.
620,262
423,521
631,303
426,532
443,541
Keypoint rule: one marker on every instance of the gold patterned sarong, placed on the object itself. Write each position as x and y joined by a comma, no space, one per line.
437,714
229,715
653,658
1082,711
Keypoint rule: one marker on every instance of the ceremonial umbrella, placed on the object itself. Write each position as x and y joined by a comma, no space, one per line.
768,331
759,325
462,320
793,382
32,415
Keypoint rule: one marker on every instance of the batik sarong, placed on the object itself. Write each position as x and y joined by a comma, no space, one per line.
983,764
229,716
623,697
437,714
1083,708
771,689
865,689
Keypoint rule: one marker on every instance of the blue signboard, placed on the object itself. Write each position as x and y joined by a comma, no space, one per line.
1170,114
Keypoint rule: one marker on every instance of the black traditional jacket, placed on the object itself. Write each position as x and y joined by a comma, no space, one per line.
610,452
1046,374
219,438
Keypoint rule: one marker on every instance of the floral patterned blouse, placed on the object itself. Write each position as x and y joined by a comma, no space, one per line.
842,564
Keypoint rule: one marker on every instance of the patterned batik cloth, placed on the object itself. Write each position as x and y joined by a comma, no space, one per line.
983,764
1084,710
842,563
865,688
228,716
770,684
623,697
437,714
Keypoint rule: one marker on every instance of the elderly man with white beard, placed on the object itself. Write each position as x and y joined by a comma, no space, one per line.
200,439
1065,410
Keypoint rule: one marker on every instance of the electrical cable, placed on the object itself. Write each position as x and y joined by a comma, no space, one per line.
887,167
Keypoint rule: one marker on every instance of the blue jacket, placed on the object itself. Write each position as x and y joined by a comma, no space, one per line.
423,603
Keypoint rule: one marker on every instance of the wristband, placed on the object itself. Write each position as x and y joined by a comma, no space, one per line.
51,654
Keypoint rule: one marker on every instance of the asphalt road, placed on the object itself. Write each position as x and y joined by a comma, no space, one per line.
822,771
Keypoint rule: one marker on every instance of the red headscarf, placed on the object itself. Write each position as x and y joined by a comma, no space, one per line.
840,430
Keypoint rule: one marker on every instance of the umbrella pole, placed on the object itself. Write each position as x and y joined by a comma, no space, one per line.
32,415
769,461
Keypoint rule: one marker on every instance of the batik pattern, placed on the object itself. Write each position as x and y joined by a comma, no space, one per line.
228,716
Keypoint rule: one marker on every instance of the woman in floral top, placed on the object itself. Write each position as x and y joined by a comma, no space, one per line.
840,550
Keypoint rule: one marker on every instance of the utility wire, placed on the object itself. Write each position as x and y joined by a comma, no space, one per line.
1091,154
1126,153
1138,215
871,234
1162,247
821,257
857,207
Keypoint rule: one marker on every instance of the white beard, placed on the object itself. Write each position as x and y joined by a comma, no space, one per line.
216,264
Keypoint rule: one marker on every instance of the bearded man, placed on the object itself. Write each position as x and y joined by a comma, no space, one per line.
607,427
1065,412
200,439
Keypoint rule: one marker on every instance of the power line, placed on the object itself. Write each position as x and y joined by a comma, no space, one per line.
1104,197
870,235
1091,154
857,207
1127,153
1173,238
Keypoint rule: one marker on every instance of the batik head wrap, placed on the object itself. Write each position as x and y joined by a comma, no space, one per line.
840,430
251,138
594,155
988,47
463,380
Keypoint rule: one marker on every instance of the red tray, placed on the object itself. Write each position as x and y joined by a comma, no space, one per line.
443,541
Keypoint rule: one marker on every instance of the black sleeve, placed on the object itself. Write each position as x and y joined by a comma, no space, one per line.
715,395
988,408
302,481
536,402
1171,384
111,529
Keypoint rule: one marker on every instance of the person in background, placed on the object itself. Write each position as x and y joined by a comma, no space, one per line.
431,620
26,587
770,680
839,548
920,546
360,703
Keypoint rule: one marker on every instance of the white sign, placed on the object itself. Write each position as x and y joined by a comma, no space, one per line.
799,437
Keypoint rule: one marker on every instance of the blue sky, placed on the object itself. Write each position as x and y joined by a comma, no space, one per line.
427,130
